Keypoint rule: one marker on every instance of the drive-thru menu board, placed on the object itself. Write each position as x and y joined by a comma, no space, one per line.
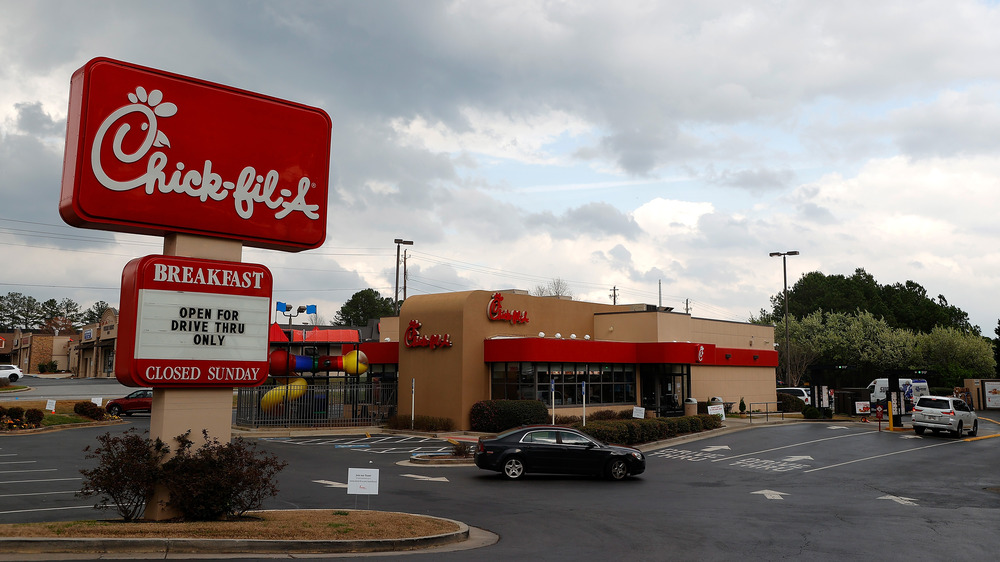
193,323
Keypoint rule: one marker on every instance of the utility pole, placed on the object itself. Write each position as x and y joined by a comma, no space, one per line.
614,295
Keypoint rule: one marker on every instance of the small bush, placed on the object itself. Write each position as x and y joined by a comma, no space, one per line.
789,403
495,416
811,412
568,420
603,415
89,410
34,416
219,480
127,470
15,413
3,411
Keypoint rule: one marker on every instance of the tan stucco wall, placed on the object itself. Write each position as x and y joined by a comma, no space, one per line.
754,385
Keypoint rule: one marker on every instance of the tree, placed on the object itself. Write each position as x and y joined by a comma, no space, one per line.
952,355
555,288
93,314
20,311
362,307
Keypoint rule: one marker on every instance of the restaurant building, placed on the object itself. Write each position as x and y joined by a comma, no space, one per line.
455,349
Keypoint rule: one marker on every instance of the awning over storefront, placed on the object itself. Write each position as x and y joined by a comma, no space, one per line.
496,350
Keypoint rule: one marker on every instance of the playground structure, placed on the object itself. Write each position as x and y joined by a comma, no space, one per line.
324,390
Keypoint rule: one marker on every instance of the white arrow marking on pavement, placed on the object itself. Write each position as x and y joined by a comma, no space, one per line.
771,494
900,500
330,484
910,437
798,458
836,427
716,448
425,478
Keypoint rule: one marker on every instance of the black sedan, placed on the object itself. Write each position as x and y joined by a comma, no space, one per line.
556,450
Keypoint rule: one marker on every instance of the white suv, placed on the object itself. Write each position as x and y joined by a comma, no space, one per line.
944,413
800,393
11,372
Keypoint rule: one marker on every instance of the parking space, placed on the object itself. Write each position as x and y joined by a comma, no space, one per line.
33,489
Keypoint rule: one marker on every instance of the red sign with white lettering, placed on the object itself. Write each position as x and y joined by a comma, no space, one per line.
193,323
152,152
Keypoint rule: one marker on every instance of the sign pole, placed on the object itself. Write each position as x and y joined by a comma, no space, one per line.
552,393
583,391
413,400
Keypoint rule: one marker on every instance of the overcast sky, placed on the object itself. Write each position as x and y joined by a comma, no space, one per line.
662,148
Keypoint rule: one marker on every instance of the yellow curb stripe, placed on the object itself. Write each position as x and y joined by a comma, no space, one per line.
980,437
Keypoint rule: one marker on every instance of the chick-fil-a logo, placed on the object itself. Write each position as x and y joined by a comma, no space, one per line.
496,312
204,184
413,338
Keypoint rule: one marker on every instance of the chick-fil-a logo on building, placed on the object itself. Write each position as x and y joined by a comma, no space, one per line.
152,152
496,312
413,338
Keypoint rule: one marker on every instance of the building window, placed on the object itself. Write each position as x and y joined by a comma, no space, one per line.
606,383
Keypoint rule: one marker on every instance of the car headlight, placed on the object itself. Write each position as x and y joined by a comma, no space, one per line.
637,455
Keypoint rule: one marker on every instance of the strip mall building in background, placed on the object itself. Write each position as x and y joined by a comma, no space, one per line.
455,349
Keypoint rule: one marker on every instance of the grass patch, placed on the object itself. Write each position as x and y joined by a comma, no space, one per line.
270,525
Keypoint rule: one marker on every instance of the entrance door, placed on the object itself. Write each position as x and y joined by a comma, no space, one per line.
664,388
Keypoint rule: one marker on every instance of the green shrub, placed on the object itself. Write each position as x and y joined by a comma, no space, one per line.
89,410
789,403
710,421
694,423
568,420
3,411
219,480
682,424
603,415
15,413
495,416
811,412
127,471
34,416
634,431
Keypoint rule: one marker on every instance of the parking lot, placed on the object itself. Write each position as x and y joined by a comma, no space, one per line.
767,492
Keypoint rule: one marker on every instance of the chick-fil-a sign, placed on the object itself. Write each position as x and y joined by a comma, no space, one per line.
496,312
152,152
413,338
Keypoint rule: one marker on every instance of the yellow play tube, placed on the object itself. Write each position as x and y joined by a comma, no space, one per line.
276,396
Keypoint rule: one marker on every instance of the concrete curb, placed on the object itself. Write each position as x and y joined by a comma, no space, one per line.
165,546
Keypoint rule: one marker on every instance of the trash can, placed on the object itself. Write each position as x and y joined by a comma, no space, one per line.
717,401
690,407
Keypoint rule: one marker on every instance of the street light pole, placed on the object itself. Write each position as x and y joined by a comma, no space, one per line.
784,269
399,242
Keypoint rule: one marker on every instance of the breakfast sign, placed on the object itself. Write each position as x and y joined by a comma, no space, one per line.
152,152
193,322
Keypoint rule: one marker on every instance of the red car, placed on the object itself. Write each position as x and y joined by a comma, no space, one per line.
138,401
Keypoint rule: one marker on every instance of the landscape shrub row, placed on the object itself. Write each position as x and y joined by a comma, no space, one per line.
635,431
494,416
90,410
16,417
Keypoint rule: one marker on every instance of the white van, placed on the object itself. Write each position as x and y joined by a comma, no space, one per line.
912,389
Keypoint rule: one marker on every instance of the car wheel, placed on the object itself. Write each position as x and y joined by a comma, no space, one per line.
975,428
13,378
958,432
918,430
115,410
617,469
513,468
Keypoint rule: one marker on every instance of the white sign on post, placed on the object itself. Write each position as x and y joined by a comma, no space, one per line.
97,401
50,405
362,481
638,412
717,410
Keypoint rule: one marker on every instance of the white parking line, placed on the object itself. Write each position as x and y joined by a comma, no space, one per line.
46,509
32,481
28,470
37,494
17,462
883,455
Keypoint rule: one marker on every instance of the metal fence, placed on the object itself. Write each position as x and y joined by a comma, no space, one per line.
331,403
